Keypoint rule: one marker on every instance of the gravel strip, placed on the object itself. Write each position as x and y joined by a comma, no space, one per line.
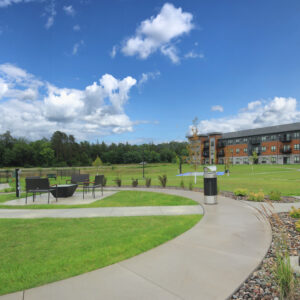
261,284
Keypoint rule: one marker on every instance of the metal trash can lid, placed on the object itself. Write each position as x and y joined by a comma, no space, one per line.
210,174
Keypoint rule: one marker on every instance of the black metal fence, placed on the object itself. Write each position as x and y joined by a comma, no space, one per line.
45,172
5,175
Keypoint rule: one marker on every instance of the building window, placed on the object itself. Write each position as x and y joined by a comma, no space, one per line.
273,137
296,135
237,141
273,160
286,147
246,161
297,159
229,142
273,148
237,150
297,147
245,150
264,138
237,161
245,140
263,149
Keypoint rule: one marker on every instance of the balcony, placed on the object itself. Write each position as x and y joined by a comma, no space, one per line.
206,145
285,138
221,144
205,153
221,153
255,141
286,150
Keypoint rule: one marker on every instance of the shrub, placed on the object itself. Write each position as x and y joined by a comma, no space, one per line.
295,212
284,275
275,195
134,182
258,197
182,184
163,180
241,192
118,182
298,225
191,186
148,182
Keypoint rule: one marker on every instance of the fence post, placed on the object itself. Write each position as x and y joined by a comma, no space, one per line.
18,182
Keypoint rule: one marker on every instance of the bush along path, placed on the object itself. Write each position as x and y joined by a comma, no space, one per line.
274,279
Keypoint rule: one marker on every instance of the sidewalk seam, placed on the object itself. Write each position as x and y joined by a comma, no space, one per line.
148,280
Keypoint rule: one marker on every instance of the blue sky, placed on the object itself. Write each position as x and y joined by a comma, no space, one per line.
141,71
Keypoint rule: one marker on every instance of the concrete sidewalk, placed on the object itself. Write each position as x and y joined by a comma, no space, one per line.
276,207
210,261
101,212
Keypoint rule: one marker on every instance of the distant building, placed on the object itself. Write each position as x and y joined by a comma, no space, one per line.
273,145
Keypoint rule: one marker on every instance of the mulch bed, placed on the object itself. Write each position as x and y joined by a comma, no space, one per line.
284,199
261,284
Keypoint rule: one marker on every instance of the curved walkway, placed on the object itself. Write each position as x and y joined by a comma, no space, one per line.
209,261
101,212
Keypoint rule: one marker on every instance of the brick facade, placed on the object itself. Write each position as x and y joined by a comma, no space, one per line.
277,144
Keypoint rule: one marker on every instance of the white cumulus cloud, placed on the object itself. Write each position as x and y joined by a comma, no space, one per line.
146,76
76,27
158,33
193,54
77,46
34,108
69,10
217,108
279,110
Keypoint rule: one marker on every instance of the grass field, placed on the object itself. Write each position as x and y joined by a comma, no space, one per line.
285,178
38,251
120,199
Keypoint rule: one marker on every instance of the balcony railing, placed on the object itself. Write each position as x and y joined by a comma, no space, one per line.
286,150
221,144
221,153
255,141
205,154
206,145
285,138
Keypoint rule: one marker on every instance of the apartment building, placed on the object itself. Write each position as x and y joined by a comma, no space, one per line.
273,145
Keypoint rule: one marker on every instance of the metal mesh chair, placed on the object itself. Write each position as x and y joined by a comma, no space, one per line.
38,185
96,184
82,179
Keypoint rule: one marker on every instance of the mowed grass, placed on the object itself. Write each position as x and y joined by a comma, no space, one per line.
119,199
285,178
38,251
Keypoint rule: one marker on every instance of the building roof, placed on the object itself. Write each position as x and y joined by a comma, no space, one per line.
263,130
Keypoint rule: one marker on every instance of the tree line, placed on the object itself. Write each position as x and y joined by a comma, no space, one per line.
62,150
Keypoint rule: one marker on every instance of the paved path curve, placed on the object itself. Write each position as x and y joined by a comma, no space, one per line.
277,207
209,261
101,212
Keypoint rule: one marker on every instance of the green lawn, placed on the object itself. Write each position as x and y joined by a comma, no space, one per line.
119,199
38,251
285,178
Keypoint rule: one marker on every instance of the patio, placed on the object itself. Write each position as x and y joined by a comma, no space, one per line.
75,199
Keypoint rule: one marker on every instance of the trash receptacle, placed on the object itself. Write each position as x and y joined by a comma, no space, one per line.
210,188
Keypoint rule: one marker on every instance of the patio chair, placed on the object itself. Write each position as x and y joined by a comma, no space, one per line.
96,184
39,185
80,179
